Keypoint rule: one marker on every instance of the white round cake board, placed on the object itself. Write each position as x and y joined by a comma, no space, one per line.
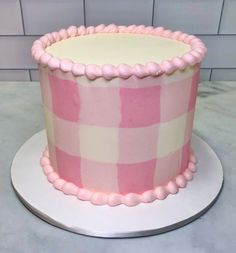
82,217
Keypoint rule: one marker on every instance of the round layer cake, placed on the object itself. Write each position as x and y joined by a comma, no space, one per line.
119,105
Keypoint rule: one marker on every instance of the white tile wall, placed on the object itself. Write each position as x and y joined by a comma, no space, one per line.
198,17
122,12
34,75
228,22
50,15
205,74
14,75
223,74
221,51
213,20
15,52
10,17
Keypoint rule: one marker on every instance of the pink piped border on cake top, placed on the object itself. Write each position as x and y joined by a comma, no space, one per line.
109,71
114,199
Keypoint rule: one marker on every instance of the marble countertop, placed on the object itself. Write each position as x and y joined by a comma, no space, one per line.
21,231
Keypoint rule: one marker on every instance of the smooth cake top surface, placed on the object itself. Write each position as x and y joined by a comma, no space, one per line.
113,48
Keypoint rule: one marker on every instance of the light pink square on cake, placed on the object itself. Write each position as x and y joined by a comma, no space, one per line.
66,135
138,144
193,94
175,99
185,156
68,167
140,107
65,98
97,176
189,126
100,106
136,177
167,168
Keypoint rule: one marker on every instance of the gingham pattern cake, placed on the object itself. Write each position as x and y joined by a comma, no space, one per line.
121,135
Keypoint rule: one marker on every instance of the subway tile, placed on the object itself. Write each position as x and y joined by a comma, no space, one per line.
43,16
198,17
223,75
205,74
15,52
34,74
122,12
221,51
228,21
10,17
14,75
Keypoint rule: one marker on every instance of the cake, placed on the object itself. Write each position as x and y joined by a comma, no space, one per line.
119,106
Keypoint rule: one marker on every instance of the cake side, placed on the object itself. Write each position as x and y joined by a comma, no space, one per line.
108,145
123,138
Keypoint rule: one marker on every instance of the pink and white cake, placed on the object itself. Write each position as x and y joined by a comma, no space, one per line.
119,106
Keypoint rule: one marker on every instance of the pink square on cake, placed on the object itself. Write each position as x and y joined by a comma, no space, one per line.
167,168
185,156
138,144
98,176
68,167
193,94
100,106
136,177
65,98
140,106
175,99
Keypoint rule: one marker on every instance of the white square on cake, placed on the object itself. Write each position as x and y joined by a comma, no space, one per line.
66,136
99,143
171,136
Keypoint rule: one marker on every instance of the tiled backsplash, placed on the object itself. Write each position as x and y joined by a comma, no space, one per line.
22,21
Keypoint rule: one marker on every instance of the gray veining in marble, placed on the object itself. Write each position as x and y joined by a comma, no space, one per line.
21,231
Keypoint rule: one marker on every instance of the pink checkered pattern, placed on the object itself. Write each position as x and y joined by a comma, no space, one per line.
119,138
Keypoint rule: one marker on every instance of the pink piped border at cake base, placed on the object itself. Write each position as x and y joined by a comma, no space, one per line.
109,71
114,199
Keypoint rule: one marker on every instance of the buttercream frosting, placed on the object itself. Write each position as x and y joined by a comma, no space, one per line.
123,70
117,48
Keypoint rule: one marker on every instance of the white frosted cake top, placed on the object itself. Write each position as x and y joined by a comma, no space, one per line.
103,48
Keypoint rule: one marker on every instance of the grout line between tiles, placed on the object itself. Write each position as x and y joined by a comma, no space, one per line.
18,69
221,14
234,68
153,9
22,17
216,35
84,9
210,75
30,76
15,35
